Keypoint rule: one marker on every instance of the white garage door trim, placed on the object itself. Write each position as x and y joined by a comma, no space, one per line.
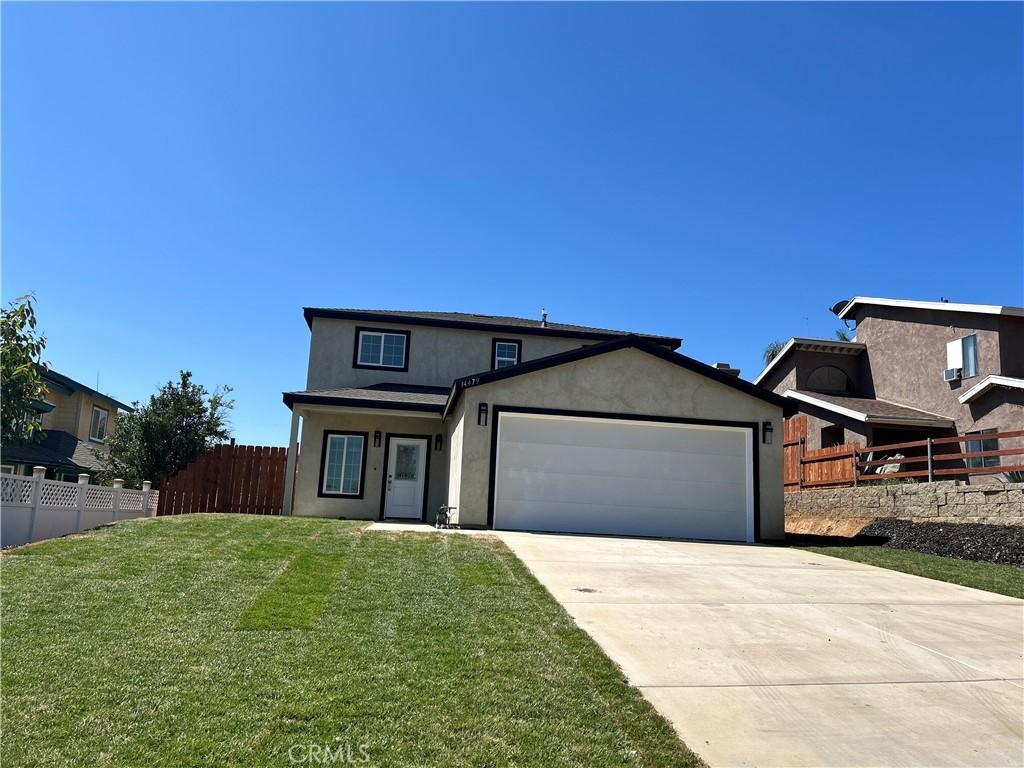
747,429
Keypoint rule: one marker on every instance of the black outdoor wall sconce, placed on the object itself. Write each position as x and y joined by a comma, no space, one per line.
438,442
481,415
766,431
376,439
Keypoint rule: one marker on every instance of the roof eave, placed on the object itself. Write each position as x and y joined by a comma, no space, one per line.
309,313
296,398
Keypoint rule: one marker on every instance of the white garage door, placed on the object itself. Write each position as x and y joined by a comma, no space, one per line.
634,478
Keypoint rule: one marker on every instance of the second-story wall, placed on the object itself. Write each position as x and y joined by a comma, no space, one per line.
73,414
436,356
906,354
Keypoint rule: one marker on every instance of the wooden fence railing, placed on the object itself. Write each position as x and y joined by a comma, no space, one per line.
931,458
850,464
231,478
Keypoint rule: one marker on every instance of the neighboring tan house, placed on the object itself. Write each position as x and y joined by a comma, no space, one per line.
530,425
916,369
76,422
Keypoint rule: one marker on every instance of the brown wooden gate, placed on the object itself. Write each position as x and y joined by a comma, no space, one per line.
803,468
245,479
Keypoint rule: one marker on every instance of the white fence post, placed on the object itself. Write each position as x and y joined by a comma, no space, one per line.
115,500
83,482
146,491
38,473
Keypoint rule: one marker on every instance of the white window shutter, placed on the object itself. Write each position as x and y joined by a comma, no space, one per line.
955,354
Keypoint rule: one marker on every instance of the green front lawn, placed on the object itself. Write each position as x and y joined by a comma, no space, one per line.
228,640
1004,579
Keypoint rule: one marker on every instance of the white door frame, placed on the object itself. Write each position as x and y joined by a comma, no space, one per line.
386,479
751,429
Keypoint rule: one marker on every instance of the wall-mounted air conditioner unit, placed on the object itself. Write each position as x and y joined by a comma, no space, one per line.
952,374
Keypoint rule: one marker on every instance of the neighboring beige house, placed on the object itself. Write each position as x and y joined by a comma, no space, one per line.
530,425
916,369
76,422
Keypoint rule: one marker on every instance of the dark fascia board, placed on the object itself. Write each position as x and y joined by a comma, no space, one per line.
486,377
292,398
343,314
68,385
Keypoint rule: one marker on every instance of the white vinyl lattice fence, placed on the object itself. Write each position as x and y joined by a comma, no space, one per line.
33,508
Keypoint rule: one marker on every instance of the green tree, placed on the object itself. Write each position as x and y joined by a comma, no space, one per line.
180,423
772,351
843,335
21,376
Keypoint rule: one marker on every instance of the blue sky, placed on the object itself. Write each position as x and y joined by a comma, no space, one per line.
179,180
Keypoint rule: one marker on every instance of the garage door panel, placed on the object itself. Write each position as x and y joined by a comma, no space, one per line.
640,521
690,464
592,475
597,489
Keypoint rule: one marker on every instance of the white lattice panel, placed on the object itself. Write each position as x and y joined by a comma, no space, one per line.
57,494
15,490
154,501
98,498
131,501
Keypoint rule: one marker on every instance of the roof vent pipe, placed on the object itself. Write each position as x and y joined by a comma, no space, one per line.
726,368
543,318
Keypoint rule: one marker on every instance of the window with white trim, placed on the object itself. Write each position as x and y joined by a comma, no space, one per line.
963,354
98,426
7,469
344,454
506,354
380,349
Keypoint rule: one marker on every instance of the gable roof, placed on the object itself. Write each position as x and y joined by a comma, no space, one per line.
991,382
475,322
626,342
807,344
844,309
67,385
871,411
57,448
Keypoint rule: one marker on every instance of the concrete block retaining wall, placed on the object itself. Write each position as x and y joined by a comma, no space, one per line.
946,501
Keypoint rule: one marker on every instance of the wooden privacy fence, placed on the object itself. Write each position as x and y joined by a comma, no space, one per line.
803,468
850,464
246,479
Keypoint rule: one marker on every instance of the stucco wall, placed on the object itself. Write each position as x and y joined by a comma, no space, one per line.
368,508
437,356
73,414
907,353
626,381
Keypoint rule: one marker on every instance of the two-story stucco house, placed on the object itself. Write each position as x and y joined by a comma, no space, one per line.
529,425
916,369
76,422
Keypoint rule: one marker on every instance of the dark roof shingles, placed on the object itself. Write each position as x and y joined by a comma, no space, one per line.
874,408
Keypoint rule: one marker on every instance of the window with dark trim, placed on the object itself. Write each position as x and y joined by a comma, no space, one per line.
98,425
976,446
343,464
505,353
380,348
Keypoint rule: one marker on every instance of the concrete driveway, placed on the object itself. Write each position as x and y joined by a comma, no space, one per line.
776,657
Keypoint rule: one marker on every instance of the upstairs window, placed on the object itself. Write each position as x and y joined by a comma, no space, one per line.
98,427
382,349
977,446
506,353
963,354
828,378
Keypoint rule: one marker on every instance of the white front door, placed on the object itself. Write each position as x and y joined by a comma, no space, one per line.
407,477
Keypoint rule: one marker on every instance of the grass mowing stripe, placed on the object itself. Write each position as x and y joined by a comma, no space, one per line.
295,599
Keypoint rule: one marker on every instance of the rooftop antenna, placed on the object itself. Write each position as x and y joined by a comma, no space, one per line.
543,318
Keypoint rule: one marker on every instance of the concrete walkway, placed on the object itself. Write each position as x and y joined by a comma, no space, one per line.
776,657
